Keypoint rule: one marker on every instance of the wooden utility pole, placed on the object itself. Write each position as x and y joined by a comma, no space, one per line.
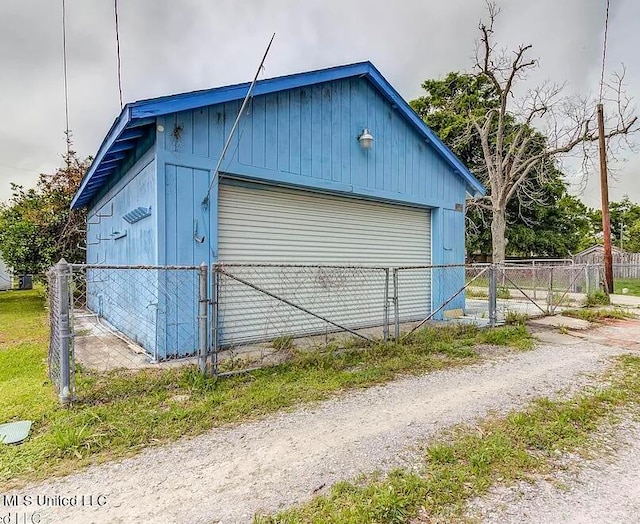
606,220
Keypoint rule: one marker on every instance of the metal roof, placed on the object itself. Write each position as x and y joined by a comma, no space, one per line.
136,116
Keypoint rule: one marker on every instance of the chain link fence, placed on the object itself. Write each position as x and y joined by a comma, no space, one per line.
116,316
154,308
425,293
241,314
545,287
258,303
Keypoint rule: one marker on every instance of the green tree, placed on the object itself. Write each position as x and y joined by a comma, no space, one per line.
37,227
633,238
542,219
624,216
513,150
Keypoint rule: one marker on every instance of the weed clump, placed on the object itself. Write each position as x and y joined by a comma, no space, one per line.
597,298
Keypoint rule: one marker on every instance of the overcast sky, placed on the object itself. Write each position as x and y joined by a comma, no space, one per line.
169,47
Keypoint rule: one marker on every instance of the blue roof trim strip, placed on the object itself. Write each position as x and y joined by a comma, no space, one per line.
182,102
83,196
122,135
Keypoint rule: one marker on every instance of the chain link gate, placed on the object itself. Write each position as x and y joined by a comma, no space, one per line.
549,288
257,303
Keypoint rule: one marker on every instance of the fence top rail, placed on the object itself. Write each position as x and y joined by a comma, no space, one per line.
441,266
540,261
220,266
103,266
545,266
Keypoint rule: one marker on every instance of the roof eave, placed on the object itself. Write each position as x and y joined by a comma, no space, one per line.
116,129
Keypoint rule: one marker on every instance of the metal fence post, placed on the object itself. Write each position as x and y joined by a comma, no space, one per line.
535,282
215,288
587,283
493,295
63,268
396,307
203,309
550,306
385,320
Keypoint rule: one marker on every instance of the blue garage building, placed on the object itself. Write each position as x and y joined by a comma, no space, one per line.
297,185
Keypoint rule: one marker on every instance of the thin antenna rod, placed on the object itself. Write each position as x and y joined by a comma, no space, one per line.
115,10
604,51
205,201
66,88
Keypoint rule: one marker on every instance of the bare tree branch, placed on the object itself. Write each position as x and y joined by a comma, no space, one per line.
518,146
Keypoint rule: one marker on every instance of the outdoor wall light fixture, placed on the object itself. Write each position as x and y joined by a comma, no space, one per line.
365,139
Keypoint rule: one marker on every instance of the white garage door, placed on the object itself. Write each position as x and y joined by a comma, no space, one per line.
271,225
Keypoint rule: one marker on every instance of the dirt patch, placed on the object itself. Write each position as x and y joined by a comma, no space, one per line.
617,333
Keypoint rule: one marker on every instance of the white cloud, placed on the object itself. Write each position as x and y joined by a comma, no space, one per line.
169,47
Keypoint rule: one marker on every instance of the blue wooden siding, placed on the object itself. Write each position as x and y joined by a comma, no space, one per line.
451,279
137,188
185,217
118,295
307,137
189,231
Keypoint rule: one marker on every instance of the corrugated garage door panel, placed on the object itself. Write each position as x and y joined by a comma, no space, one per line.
275,225
282,225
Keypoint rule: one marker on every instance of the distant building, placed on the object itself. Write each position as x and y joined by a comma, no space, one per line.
595,255
5,277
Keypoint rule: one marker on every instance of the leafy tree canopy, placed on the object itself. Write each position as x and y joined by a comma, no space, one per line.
37,228
625,224
544,220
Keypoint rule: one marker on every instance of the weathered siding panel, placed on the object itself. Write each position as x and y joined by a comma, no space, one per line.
308,137
137,188
119,295
190,237
451,278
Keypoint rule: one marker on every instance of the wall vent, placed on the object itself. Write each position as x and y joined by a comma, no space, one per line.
137,214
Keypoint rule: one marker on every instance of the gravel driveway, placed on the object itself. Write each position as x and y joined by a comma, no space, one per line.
228,474
603,491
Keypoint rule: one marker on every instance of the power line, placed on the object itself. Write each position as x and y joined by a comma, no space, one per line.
66,82
115,12
604,50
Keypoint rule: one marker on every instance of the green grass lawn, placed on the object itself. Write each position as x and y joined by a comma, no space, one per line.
24,388
466,464
119,413
632,284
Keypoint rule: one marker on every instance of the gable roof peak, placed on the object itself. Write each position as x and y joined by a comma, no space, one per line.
121,137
